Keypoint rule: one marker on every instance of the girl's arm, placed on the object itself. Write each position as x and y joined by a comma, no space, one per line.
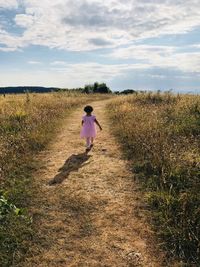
96,121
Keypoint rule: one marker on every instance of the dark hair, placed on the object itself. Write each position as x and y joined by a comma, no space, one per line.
88,109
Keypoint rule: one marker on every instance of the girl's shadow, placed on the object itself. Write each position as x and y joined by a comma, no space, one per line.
73,163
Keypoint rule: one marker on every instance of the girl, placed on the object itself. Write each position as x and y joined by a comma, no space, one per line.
88,130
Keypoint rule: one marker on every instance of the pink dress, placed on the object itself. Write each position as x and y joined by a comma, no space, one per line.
88,128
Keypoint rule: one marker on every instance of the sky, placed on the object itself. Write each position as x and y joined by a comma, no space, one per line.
128,44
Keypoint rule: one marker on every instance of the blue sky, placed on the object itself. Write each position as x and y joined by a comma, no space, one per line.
138,44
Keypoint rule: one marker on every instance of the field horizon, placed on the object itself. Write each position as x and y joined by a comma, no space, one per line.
45,89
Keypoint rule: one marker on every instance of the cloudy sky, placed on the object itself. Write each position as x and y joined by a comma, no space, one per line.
139,44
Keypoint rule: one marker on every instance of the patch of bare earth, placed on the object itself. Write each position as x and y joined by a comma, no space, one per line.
87,210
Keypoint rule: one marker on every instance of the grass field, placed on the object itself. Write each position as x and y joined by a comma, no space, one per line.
160,134
27,123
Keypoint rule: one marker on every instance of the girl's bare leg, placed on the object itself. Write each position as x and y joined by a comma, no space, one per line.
91,144
88,142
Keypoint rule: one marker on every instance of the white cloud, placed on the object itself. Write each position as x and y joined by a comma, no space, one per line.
147,52
196,46
89,24
160,56
25,21
32,62
188,62
59,63
9,42
8,4
7,49
90,72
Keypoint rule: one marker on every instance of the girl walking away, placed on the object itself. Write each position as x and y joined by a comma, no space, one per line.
88,130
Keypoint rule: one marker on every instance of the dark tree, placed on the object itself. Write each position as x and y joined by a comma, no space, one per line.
101,88
128,91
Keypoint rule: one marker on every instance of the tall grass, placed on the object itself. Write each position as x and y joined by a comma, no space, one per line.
160,134
27,124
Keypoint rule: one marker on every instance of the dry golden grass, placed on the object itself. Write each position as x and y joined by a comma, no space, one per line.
89,215
92,214
27,123
160,134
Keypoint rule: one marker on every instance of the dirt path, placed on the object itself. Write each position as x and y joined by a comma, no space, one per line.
88,211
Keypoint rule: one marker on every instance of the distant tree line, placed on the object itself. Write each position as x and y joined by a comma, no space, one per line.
25,89
88,89
101,88
126,92
129,91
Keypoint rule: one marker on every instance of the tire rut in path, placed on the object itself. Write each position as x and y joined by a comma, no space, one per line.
87,210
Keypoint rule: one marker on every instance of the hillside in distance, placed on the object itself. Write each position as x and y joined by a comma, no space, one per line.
23,89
